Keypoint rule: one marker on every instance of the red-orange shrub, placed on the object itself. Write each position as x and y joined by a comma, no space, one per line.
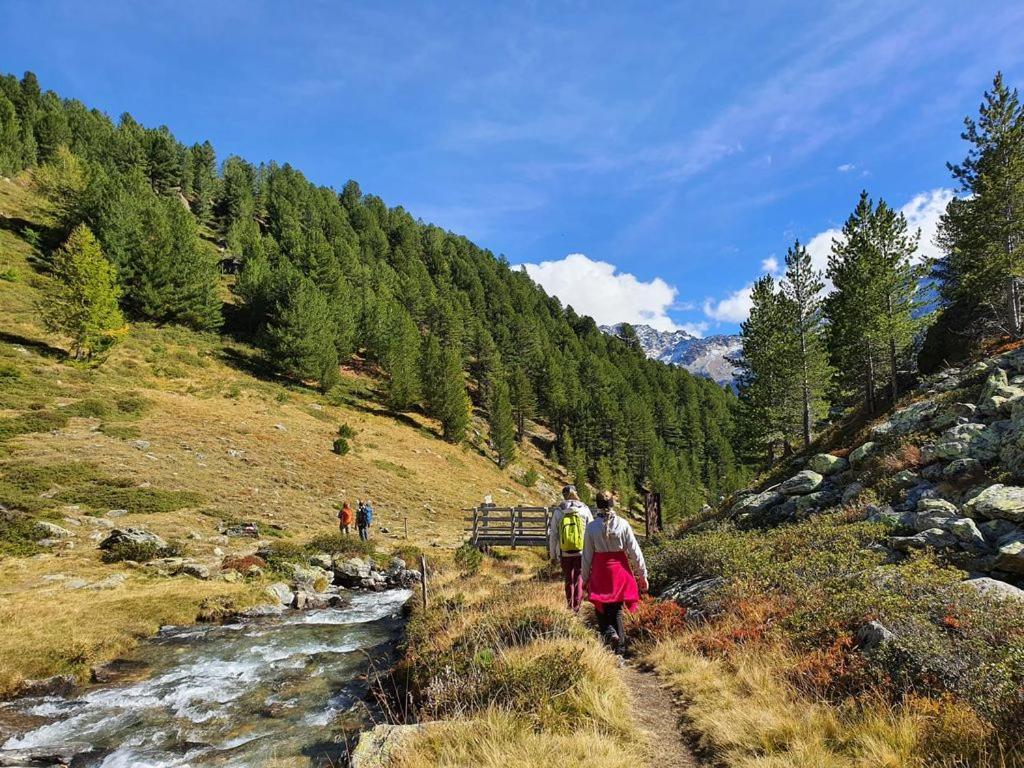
656,620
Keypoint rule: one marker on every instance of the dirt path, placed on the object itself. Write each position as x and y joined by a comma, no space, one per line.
658,715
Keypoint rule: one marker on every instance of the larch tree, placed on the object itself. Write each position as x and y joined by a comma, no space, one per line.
84,302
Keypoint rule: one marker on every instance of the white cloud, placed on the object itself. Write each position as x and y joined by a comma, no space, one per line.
598,289
922,211
846,167
734,308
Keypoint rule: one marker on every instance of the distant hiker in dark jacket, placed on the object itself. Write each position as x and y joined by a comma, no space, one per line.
345,518
565,543
614,571
364,518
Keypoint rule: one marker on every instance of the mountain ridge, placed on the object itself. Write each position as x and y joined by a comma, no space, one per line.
712,357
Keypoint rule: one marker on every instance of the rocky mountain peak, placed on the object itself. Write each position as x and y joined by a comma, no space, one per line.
713,357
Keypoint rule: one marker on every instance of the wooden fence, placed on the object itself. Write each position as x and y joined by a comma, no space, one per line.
490,526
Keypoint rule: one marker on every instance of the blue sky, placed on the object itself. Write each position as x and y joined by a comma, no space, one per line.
647,161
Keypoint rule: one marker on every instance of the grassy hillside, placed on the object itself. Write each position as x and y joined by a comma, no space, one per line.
186,433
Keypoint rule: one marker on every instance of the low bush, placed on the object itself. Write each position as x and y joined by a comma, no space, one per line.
336,544
106,494
33,421
530,477
655,620
140,552
468,558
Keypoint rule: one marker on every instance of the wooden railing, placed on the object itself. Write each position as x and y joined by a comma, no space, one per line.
490,526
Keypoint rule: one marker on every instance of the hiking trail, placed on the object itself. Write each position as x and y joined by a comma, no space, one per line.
658,715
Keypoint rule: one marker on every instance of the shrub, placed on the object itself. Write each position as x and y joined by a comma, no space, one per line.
468,558
140,552
104,494
530,477
341,446
336,544
33,421
9,372
347,432
242,563
656,620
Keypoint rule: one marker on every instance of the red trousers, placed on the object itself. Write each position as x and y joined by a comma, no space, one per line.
572,570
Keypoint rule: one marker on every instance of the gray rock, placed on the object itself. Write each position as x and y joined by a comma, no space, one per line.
874,635
861,453
996,382
131,536
996,589
936,506
196,571
280,592
975,441
959,467
378,748
912,418
58,685
351,572
1005,502
141,445
814,501
1010,553
994,530
933,538
955,413
756,503
966,531
852,491
883,514
905,479
51,530
321,560
111,582
826,464
803,482
310,577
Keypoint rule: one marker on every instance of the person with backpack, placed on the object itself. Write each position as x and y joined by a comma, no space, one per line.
565,543
363,519
345,518
614,571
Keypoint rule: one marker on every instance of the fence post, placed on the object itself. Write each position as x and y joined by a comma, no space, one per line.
423,580
407,526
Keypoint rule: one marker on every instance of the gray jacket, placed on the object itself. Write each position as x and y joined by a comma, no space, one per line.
554,528
620,538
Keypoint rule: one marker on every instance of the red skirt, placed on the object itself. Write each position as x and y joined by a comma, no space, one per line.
611,581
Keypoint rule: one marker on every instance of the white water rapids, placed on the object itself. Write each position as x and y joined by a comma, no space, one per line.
243,694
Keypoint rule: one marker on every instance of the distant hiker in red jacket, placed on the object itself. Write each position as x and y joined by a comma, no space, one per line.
345,518
614,571
565,543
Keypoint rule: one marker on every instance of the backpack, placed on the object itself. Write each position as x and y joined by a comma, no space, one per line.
570,531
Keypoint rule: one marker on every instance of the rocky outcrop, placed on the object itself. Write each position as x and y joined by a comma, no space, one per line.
806,481
861,453
1005,502
137,536
994,588
826,464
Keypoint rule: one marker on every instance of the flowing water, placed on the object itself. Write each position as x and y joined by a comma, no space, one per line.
274,690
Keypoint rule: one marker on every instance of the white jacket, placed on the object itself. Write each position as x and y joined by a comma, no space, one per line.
554,528
620,538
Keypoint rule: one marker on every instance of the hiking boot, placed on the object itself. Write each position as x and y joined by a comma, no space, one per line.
611,638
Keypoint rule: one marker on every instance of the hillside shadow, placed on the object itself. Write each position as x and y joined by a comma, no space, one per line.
252,364
44,239
39,347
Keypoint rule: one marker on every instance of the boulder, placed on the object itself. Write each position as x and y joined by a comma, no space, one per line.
936,506
755,503
814,501
912,418
994,530
280,592
967,533
996,589
852,491
996,382
51,530
933,538
1010,553
884,514
310,577
131,536
975,441
58,685
905,479
874,635
111,582
321,560
377,748
1005,502
196,571
958,467
351,572
954,413
803,482
861,453
826,464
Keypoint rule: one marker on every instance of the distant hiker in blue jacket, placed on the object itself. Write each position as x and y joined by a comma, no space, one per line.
364,518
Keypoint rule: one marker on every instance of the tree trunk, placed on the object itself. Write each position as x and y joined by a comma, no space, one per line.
893,363
870,384
806,387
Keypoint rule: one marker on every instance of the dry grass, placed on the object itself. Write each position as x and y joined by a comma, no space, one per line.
237,444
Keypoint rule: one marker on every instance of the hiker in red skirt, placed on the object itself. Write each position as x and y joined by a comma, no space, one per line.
614,571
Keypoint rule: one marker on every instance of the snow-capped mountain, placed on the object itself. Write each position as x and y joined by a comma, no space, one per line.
713,356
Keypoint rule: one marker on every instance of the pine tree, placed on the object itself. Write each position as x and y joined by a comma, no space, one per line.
298,335
445,387
802,287
499,417
982,234
84,303
203,162
163,162
10,143
523,401
401,360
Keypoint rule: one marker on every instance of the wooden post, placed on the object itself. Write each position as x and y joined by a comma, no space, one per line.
476,521
407,526
423,580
